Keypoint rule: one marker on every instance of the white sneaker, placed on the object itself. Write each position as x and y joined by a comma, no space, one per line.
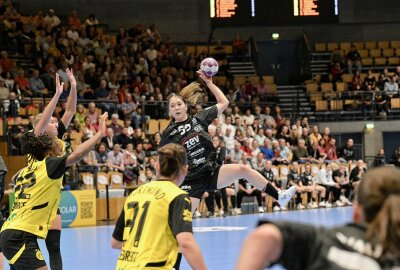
328,205
196,214
276,208
313,205
284,208
338,204
220,212
260,209
286,195
322,204
345,201
300,206
237,211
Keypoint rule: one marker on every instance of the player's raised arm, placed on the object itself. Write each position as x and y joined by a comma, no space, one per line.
40,128
71,101
222,101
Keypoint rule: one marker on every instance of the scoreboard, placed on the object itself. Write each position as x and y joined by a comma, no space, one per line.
272,12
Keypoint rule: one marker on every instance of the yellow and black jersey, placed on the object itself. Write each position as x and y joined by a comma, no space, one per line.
152,217
37,196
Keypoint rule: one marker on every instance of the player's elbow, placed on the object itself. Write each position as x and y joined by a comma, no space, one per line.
185,241
115,244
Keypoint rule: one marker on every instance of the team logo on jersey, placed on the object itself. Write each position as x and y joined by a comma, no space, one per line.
198,128
194,121
187,215
39,255
173,132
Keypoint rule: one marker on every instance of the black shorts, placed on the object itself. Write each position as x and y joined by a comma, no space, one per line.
21,249
204,181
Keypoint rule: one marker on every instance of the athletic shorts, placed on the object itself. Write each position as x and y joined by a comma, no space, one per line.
205,181
21,249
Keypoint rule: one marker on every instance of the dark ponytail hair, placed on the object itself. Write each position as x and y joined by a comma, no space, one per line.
36,146
379,195
172,159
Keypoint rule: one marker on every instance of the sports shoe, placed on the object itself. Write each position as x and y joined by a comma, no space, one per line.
284,208
300,206
237,211
322,204
345,201
338,204
284,196
220,212
276,208
212,215
196,214
260,209
328,205
313,205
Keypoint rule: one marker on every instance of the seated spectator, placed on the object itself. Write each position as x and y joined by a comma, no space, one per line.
51,20
258,162
137,137
300,153
246,189
11,105
353,57
395,160
80,116
127,124
307,183
357,173
87,130
315,155
383,78
370,81
330,151
356,81
391,87
380,159
341,176
346,153
92,114
115,159
123,138
114,125
73,20
382,103
266,149
294,179
284,153
5,62
324,179
337,57
101,156
156,140
255,149
4,91
23,83
109,140
315,136
248,118
140,154
16,131
337,73
132,168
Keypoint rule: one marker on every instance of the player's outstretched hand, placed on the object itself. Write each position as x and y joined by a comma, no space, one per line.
71,76
102,123
59,86
205,78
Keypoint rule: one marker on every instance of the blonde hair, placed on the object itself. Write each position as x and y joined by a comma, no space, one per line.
189,94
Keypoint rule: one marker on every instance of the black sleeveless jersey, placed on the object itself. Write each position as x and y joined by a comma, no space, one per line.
193,135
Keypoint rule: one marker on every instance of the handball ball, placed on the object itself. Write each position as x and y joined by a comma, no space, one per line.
209,66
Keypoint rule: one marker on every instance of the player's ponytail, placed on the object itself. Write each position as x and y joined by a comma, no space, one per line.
191,93
36,146
379,195
172,159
